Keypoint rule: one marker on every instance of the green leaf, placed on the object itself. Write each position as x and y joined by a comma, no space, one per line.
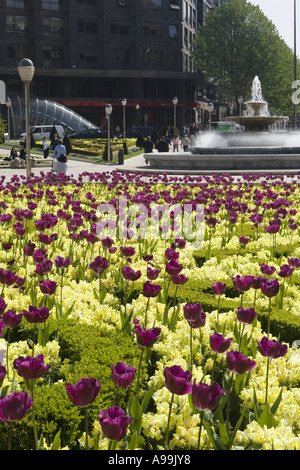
217,443
56,444
277,402
267,418
147,398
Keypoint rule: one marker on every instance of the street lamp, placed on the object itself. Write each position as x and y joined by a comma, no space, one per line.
108,111
8,105
26,72
175,101
240,101
124,103
210,108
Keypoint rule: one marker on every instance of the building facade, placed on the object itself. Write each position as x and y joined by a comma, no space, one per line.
90,52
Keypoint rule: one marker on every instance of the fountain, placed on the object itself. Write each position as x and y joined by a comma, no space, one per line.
256,116
260,147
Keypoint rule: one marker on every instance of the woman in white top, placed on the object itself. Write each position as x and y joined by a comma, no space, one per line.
46,147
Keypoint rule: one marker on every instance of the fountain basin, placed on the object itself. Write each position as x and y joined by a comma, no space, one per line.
219,159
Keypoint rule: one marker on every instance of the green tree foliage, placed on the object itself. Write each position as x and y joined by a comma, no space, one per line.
238,42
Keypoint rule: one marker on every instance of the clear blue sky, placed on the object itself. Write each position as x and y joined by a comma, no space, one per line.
281,13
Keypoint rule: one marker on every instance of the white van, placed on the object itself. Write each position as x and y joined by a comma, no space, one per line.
39,132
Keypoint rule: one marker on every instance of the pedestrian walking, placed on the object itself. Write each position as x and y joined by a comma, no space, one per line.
185,143
176,143
46,147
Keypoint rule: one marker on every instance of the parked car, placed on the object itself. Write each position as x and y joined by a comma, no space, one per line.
95,133
133,133
39,132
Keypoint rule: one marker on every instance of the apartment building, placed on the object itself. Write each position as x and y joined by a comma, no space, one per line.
90,52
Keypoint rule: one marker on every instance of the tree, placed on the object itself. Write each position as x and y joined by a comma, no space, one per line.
238,42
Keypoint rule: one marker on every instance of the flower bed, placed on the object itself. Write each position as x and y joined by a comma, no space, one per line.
197,333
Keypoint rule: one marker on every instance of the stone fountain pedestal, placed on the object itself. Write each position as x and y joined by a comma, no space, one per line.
228,158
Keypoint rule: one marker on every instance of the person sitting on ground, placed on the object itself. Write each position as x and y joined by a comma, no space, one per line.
23,153
13,154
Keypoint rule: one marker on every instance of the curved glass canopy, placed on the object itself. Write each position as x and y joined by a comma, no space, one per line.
43,112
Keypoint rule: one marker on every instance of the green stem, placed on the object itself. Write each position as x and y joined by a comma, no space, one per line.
139,372
200,429
86,428
191,348
228,403
267,381
269,315
7,347
169,418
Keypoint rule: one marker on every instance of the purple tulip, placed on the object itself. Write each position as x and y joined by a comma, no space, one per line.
39,255
122,375
219,288
31,367
114,423
219,344
151,290
171,254
246,315
173,268
177,380
129,274
244,240
127,251
269,288
206,397
267,270
107,242
238,363
179,279
36,315
3,373
84,392
19,229
62,263
271,348
194,315
8,278
44,267
285,270
48,287
294,262
99,265
15,406
146,338
256,282
242,283
2,305
7,246
152,273
11,319
29,249
273,228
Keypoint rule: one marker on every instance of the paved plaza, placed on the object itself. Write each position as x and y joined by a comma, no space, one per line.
134,164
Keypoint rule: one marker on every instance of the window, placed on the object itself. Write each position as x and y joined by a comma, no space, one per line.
120,57
152,29
52,4
174,5
53,56
15,3
122,29
124,3
52,27
86,26
16,24
88,57
173,33
152,4
17,52
86,4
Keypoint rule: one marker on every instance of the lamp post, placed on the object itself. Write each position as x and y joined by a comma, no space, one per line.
295,62
240,101
175,101
8,105
124,103
26,72
108,111
210,108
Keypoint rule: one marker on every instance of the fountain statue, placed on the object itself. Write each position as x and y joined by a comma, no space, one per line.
257,116
261,147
